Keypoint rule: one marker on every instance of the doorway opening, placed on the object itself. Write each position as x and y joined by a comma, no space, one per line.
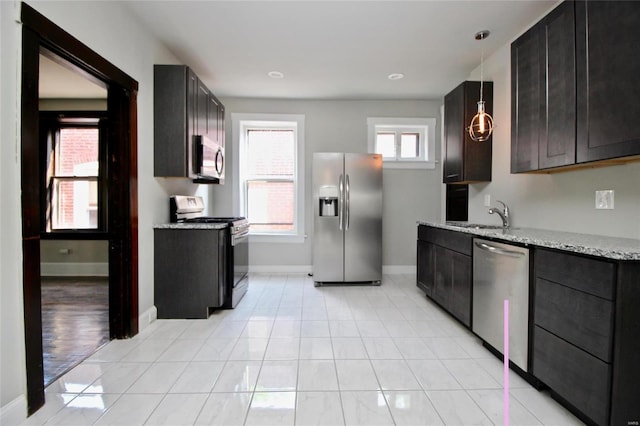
98,208
74,256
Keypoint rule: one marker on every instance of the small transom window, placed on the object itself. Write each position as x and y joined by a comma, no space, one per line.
403,142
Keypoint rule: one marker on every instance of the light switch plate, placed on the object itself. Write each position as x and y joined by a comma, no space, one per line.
487,200
604,199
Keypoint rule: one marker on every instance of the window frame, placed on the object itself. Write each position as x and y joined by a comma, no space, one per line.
51,122
425,127
241,124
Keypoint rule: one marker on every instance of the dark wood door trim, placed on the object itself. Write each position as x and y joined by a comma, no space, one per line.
70,48
122,214
30,186
38,33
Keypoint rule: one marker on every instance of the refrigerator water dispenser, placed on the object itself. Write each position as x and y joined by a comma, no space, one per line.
328,199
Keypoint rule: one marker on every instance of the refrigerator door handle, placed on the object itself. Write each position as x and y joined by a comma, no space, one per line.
340,203
347,204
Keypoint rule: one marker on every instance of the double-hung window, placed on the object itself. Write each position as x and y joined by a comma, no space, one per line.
271,169
403,142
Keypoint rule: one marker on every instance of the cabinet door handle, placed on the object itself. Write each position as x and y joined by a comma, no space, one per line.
341,203
454,175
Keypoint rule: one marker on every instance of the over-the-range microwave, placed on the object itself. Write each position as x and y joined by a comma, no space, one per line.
208,162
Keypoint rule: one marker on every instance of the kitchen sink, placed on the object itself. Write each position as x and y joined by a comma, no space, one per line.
477,225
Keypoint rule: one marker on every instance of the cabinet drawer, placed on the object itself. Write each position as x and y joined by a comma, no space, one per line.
579,318
581,379
589,275
456,241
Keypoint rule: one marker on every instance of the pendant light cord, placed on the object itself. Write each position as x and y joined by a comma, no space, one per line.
481,64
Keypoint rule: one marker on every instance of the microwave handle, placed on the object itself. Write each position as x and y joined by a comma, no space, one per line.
219,162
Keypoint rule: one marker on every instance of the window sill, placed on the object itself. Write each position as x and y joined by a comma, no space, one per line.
428,165
268,238
79,234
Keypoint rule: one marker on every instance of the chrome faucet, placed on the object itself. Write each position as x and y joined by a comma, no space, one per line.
504,214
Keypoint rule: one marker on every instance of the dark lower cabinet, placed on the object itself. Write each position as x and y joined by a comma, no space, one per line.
189,271
577,376
444,270
586,332
459,270
426,265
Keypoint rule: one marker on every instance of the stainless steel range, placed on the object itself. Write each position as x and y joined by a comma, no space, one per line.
189,209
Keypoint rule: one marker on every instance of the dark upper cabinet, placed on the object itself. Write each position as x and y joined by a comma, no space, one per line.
608,85
183,108
202,115
215,121
175,120
574,86
212,118
465,161
543,90
220,123
525,101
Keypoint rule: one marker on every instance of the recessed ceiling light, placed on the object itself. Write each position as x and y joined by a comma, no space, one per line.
275,74
395,76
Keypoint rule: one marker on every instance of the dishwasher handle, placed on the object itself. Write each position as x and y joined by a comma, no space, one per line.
497,250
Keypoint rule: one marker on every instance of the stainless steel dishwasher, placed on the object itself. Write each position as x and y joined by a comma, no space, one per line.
501,271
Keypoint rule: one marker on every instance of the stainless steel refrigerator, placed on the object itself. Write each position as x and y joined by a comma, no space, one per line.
347,232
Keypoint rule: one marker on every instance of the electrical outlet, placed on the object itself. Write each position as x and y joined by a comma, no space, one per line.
487,200
604,199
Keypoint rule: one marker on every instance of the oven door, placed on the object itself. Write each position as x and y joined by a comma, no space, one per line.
240,244
239,266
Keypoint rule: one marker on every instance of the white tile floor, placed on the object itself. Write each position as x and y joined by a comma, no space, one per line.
292,353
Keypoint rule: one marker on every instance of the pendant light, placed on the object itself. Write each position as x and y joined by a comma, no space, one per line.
481,125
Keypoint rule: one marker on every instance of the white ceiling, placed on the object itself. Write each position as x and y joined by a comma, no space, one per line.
334,49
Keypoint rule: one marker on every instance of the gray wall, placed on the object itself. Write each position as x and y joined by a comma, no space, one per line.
74,258
108,29
73,104
409,195
80,251
560,201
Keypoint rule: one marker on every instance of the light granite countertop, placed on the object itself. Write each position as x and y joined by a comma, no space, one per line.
594,245
184,226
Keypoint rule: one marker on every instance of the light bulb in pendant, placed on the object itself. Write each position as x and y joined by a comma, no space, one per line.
481,125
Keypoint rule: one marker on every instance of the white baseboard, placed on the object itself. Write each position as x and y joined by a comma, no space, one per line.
282,269
290,269
15,412
147,317
74,269
398,269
